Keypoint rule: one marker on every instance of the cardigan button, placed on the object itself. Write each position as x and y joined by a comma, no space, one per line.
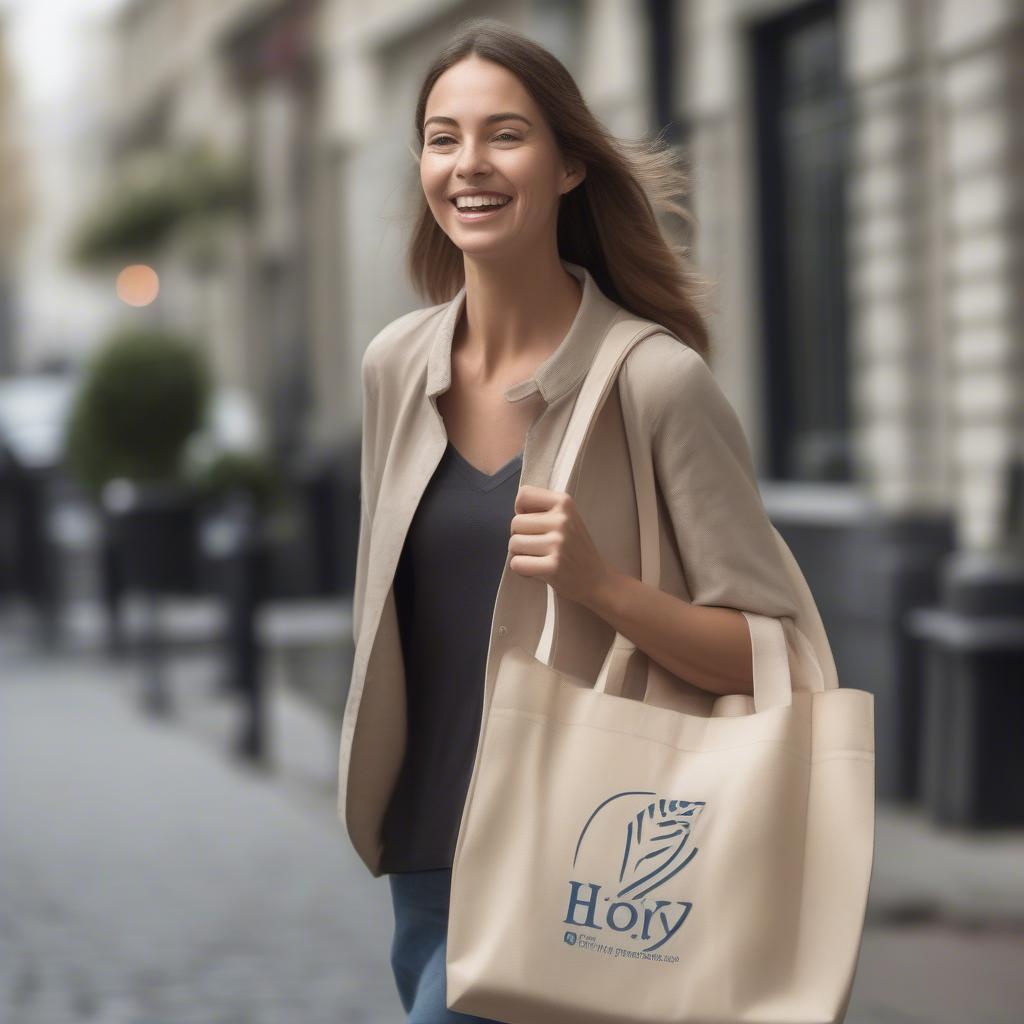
503,631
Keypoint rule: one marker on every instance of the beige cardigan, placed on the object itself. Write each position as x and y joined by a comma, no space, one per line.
718,546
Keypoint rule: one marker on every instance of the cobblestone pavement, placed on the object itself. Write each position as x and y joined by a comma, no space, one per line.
148,878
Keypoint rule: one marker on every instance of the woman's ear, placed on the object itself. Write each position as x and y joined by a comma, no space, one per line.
575,172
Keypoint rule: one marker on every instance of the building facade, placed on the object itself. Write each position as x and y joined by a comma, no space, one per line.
857,188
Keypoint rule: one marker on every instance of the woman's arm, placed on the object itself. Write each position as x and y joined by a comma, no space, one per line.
730,558
726,542
705,645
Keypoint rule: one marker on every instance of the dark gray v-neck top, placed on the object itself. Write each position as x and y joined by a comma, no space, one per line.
445,584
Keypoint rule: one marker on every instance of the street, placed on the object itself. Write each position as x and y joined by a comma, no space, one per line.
146,877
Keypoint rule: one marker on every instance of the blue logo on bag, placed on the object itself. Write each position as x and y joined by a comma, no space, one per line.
650,845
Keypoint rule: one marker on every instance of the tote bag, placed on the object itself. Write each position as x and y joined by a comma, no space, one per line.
624,862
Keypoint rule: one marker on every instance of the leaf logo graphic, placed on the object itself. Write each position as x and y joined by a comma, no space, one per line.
654,845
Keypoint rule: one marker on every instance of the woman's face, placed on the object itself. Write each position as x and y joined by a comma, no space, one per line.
483,132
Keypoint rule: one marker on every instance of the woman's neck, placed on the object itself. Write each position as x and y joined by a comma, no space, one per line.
512,321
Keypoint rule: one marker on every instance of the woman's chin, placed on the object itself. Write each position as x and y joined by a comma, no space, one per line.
480,247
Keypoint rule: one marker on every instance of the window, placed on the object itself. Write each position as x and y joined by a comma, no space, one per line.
801,146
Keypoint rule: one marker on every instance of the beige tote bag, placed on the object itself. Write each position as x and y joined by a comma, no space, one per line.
623,862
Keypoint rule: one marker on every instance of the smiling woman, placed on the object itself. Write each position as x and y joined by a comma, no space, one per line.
538,239
499,116
521,188
489,153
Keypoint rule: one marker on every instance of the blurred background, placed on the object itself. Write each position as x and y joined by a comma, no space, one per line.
203,213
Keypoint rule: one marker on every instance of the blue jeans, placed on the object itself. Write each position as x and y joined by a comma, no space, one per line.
420,900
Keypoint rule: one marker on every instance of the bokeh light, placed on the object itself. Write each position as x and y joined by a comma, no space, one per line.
138,284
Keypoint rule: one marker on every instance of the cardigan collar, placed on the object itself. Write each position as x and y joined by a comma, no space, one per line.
561,371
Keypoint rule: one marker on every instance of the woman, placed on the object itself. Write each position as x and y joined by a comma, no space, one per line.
543,227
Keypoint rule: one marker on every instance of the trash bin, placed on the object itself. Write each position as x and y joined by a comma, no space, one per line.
973,648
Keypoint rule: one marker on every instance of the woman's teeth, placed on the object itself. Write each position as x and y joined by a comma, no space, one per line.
474,203
481,210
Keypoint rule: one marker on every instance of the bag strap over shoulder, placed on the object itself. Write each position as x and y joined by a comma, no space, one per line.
772,682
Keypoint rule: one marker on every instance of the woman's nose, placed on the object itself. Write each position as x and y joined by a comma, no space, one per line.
472,158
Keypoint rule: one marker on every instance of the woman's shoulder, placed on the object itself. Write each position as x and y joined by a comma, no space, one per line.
662,372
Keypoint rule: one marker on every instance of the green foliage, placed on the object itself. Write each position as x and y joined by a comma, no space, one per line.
143,395
248,472
157,196
127,226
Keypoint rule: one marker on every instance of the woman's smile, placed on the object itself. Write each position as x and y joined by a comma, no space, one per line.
481,213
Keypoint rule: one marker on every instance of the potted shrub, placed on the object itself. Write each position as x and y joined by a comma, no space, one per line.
142,396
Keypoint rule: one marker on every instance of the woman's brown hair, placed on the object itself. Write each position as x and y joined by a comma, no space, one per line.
608,223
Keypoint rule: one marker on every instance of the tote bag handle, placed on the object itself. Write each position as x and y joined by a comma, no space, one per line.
772,681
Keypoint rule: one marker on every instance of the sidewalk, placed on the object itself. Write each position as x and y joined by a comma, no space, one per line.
965,878
241,898
146,878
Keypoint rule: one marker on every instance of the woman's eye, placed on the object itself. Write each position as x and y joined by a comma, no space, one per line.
443,140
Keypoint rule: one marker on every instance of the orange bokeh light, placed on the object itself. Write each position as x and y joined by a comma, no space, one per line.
138,285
